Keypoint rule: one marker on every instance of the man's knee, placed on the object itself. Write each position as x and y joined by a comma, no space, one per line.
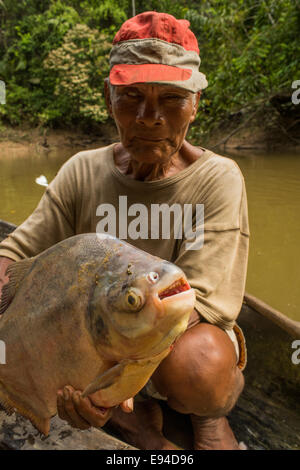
200,375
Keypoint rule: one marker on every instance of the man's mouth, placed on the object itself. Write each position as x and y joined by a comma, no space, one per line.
176,287
146,139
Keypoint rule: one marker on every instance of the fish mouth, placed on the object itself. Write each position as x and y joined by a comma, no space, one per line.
178,286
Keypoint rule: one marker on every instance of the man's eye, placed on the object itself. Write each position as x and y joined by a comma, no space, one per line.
132,94
174,97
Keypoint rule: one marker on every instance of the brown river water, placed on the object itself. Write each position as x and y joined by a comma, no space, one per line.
273,189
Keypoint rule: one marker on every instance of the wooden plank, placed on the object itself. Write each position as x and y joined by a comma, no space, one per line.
17,433
285,323
267,415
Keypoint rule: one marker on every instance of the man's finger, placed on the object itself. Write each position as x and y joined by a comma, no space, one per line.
68,412
127,405
60,406
96,416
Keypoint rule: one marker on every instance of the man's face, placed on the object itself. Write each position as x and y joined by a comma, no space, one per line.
152,120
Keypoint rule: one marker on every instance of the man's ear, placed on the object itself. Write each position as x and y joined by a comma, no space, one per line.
196,105
107,97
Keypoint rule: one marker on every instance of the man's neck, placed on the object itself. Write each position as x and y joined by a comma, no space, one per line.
142,171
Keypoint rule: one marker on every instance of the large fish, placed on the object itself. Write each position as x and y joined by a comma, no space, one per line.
93,312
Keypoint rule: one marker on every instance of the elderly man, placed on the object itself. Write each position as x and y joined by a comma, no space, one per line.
153,93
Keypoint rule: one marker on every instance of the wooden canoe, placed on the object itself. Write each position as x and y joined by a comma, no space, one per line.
267,415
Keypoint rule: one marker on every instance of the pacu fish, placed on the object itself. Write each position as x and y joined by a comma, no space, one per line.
93,312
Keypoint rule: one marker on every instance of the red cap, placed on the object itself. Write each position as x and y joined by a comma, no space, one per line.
156,48
158,25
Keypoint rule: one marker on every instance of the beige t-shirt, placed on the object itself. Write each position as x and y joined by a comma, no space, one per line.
90,190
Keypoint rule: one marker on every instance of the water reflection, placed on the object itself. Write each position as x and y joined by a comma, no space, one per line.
273,189
19,167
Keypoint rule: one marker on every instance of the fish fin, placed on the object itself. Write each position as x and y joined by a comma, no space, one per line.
9,406
16,273
109,377
106,379
42,424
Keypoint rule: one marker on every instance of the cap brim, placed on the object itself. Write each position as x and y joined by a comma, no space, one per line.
128,74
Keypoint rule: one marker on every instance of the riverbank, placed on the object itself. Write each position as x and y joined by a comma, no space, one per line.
226,138
257,131
42,139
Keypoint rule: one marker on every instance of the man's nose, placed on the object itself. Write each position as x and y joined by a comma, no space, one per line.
149,114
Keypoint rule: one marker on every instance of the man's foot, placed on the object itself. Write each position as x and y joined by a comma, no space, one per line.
213,434
143,427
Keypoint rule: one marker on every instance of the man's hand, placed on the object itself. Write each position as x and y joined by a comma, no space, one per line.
81,413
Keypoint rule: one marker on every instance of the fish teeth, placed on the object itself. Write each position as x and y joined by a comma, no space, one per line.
180,285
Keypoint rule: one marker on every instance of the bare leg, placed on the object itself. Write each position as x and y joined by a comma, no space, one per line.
213,434
143,427
200,378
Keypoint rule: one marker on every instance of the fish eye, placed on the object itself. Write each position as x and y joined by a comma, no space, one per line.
133,300
153,277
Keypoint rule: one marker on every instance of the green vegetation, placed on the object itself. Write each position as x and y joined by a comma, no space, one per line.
54,58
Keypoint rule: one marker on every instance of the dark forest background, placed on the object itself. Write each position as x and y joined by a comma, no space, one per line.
54,58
